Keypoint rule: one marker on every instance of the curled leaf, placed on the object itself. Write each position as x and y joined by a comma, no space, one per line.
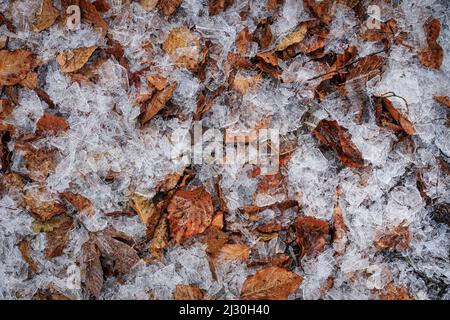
45,17
79,202
73,60
312,235
157,103
295,37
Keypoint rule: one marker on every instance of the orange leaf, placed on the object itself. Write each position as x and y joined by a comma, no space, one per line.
312,235
46,16
49,123
14,66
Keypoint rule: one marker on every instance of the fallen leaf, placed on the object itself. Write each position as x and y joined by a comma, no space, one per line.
148,5
263,34
393,292
397,238
243,39
387,116
14,66
243,84
53,124
188,292
79,202
102,5
148,213
323,10
312,235
273,5
295,37
340,231
330,133
441,213
91,15
24,248
49,225
271,189
160,239
39,163
183,46
234,251
217,6
57,238
272,283
46,16
156,81
41,205
157,103
73,60
93,271
168,7
444,100
432,56
189,213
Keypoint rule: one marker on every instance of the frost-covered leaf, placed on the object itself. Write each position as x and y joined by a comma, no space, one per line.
432,56
42,205
295,37
168,7
50,123
397,238
188,292
79,202
24,248
183,46
389,117
148,213
14,66
46,16
148,5
92,16
190,213
73,60
444,100
57,238
313,235
393,292
93,278
243,84
217,6
272,283
160,239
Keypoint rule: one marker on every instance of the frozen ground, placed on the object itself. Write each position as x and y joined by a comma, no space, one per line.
108,157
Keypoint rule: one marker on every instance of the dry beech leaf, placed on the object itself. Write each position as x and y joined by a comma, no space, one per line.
273,5
387,116
39,163
156,81
183,46
243,39
295,37
148,5
397,238
432,56
73,60
102,5
444,100
234,251
49,123
30,81
57,238
324,10
91,15
188,292
168,7
189,213
157,103
148,213
41,205
160,239
340,231
79,202
312,235
93,271
24,248
271,189
393,292
14,66
243,84
217,6
46,16
330,133
272,283
263,34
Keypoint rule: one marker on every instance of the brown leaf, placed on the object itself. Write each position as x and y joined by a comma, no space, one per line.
432,56
272,283
102,5
263,34
274,5
330,133
243,39
368,66
156,81
73,60
183,46
57,238
49,123
30,81
217,6
158,102
188,292
323,10
148,5
93,270
312,235
24,248
190,213
393,292
168,7
444,100
14,66
46,16
234,251
160,239
91,15
293,38
42,206
271,189
148,213
39,163
397,238
387,116
243,84
79,202
340,231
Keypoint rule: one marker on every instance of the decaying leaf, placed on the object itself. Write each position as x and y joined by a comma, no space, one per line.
340,231
272,283
49,123
389,117
39,163
243,84
46,16
188,292
432,56
49,225
393,292
263,34
243,39
323,10
42,206
57,238
73,60
157,103
14,66
312,235
271,189
444,100
93,278
160,239
148,5
148,213
24,248
168,7
330,133
156,81
92,16
397,238
295,37
234,251
183,46
217,6
190,213
30,81
79,202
